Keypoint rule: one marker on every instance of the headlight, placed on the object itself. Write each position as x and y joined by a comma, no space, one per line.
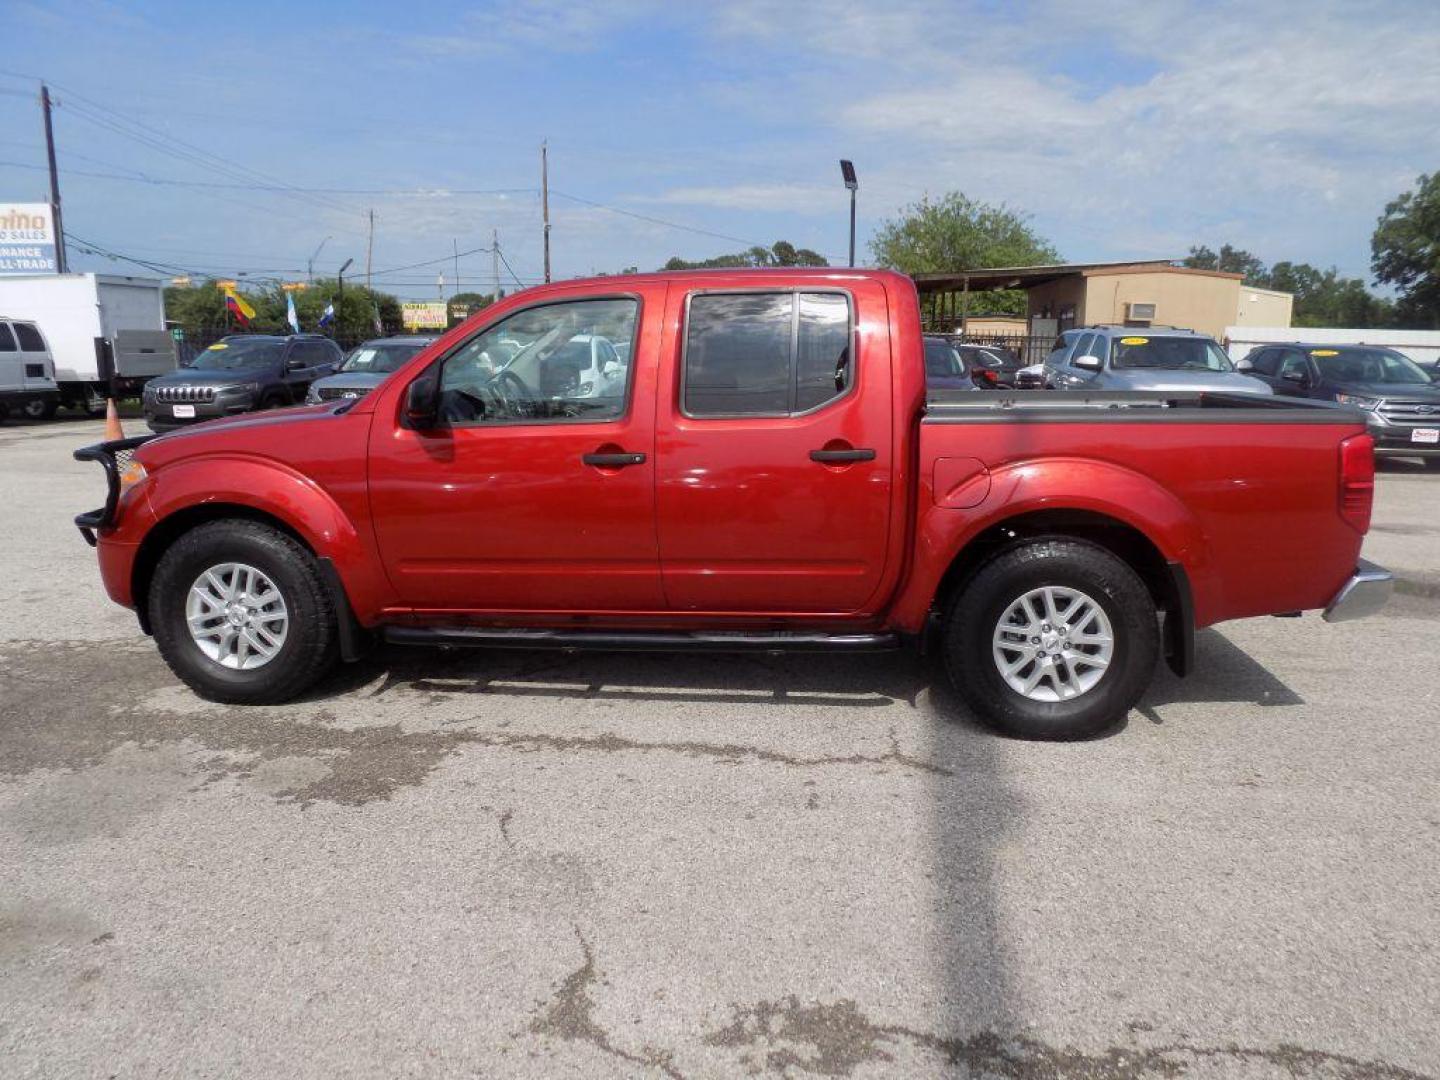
249,389
1357,401
131,475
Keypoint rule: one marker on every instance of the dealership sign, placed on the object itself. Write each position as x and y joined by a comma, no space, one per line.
424,315
27,239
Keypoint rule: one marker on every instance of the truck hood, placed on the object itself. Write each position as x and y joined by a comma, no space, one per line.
211,375
366,380
1189,381
246,425
1427,392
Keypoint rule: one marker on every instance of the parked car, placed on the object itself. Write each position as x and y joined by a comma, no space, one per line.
1400,400
1153,358
1031,377
991,366
944,367
239,374
365,367
771,476
27,372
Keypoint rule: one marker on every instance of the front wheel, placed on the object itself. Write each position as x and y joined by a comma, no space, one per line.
39,409
241,614
1052,639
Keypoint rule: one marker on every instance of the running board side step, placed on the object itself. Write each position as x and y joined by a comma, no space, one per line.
641,641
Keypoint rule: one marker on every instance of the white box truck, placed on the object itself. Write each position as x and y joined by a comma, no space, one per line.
106,332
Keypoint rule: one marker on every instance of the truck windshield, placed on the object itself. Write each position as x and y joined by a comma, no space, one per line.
379,359
1368,365
1169,353
235,355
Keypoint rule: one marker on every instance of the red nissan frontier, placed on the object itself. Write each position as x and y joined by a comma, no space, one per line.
729,461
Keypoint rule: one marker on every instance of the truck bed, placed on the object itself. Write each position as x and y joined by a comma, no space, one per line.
1234,481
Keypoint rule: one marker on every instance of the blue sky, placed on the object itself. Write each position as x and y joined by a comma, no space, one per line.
1132,130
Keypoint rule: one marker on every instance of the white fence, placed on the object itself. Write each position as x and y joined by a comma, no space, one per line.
1422,346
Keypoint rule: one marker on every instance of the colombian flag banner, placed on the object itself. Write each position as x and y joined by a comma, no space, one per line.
236,303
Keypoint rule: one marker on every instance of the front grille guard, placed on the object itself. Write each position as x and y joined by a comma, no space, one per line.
113,456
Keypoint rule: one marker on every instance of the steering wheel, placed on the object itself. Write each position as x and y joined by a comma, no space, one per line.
514,395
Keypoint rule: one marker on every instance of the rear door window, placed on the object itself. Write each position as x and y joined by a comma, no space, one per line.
765,354
29,337
1265,362
7,339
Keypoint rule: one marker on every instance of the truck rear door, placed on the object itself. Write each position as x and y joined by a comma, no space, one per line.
773,445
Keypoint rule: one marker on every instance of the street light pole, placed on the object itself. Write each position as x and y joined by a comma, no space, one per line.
847,173
340,294
310,266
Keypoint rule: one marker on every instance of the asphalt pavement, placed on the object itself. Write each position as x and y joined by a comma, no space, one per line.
538,865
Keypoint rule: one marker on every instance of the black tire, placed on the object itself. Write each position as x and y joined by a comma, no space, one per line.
39,410
310,646
1432,463
272,401
971,621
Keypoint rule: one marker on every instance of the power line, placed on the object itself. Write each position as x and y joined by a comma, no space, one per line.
658,221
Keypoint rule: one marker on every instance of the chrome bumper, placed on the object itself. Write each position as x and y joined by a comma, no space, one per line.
1367,591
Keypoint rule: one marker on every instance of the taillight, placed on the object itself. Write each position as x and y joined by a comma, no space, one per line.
1357,480
984,373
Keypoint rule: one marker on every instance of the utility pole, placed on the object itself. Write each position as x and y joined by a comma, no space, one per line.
495,261
310,265
60,265
455,247
369,247
545,203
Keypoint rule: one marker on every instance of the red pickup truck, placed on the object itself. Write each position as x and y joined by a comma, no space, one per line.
735,461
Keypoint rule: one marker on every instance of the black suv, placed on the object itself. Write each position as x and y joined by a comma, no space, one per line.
1399,398
237,374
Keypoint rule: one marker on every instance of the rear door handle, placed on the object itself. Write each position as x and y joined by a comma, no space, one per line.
829,456
613,461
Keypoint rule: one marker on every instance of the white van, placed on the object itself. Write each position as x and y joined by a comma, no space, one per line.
27,371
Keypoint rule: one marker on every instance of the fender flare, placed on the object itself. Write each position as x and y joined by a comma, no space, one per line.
1020,488
272,489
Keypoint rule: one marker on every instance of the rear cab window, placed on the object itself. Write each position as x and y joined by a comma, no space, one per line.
766,354
7,339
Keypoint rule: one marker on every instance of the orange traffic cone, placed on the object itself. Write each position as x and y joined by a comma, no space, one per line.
113,430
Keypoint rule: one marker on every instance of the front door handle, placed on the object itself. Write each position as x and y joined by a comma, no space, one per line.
613,461
830,456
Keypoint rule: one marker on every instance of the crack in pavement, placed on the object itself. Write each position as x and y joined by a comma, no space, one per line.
835,1039
570,1017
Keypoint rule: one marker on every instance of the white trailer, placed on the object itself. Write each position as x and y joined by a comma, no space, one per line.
1422,346
106,332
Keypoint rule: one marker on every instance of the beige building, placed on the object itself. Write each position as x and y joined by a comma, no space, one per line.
1153,293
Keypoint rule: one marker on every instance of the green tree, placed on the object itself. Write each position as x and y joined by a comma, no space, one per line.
1325,298
1405,252
1231,260
958,233
781,253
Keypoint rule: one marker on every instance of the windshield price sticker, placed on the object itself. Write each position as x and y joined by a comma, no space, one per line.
1324,352
217,347
1134,341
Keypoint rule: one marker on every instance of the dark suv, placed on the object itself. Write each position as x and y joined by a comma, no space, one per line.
1399,398
237,374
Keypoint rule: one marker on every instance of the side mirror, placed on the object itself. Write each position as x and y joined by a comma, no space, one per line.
1087,363
1299,378
1245,367
611,368
294,364
422,403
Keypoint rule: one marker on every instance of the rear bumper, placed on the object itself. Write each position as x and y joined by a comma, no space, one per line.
1367,591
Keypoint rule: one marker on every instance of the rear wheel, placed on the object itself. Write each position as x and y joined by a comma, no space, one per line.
241,614
39,409
1052,639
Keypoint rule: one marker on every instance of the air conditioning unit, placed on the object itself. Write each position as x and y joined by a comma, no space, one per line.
1136,311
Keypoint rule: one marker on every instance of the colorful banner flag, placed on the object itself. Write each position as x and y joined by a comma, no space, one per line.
236,304
329,316
290,316
379,327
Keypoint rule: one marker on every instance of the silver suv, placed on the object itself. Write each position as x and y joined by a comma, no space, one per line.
1148,358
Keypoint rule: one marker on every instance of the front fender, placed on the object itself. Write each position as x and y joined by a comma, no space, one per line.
297,501
1024,487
